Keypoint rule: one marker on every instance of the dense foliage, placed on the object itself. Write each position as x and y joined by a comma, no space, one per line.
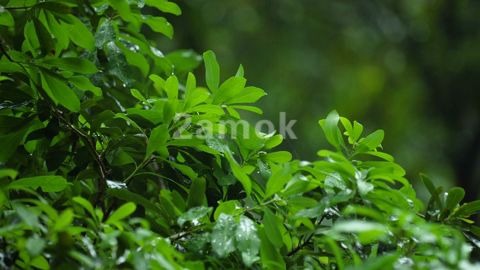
112,157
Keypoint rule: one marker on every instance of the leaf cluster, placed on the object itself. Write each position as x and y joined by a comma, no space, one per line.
106,163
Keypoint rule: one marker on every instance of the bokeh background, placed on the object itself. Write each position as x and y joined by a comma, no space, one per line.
410,67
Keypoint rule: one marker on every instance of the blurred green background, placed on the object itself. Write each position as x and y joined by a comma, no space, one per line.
409,67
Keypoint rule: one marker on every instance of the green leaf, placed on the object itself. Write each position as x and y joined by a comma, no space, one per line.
378,263
157,142
83,83
31,37
249,94
184,60
8,67
454,197
44,37
330,129
222,239
230,88
372,141
193,215
431,188
40,262
248,108
60,93
48,183
158,82
366,231
86,205
73,64
59,31
269,254
159,25
240,174
277,181
337,253
212,71
126,195
228,207
6,18
273,141
171,87
271,224
197,195
64,220
279,156
11,173
247,241
9,143
122,212
134,57
35,246
468,209
105,33
164,6
80,34
123,9
136,94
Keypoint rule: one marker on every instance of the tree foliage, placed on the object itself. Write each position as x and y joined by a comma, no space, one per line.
107,163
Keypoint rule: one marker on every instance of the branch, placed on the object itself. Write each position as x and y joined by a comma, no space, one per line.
16,8
89,142
306,241
91,145
142,165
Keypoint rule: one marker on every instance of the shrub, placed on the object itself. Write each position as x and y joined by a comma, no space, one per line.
102,168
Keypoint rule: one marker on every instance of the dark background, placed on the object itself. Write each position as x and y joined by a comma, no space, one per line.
409,67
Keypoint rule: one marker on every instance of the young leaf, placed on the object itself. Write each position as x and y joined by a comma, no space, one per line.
80,34
249,94
229,89
31,37
48,183
73,64
455,196
164,6
83,83
6,19
271,224
277,181
212,70
196,196
431,188
157,142
171,87
159,25
468,209
269,254
330,128
122,212
279,157
60,93
372,141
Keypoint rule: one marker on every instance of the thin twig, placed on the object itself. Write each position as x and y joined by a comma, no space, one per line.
91,145
139,167
16,8
306,241
88,141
